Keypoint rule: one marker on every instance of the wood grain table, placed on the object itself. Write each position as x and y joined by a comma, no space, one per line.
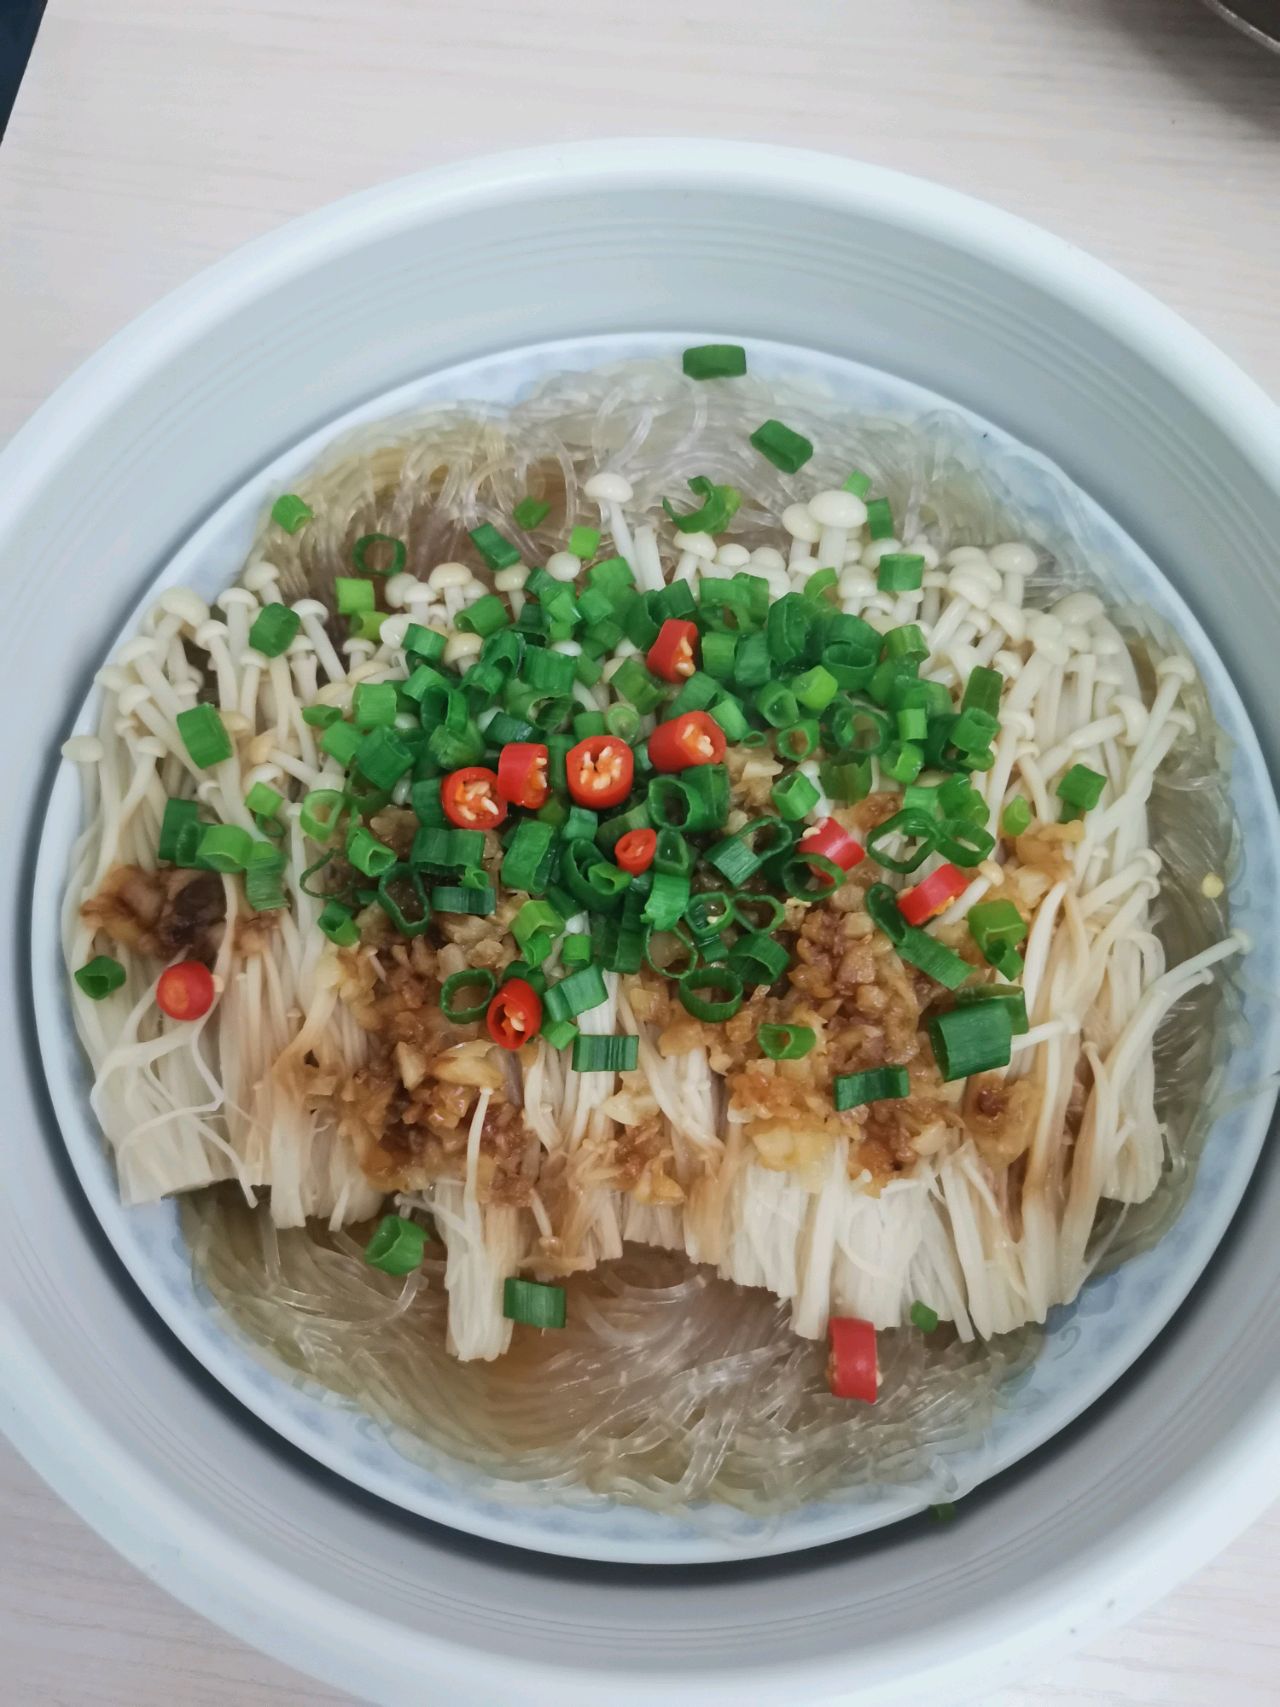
151,136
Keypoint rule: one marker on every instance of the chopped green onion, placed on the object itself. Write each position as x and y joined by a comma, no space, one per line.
425,643
593,1053
374,705
224,847
741,855
370,542
974,1038
787,628
397,1245
461,1008
880,519
718,507
784,448
440,848
290,512
634,682
485,617
533,1305
367,853
786,1042
1009,996
718,653
181,818
575,949
822,581
1008,962
973,731
452,749
963,842
759,959
697,692
924,1318
1016,817
263,889
667,900
204,736
399,881
714,361
559,1033
811,876
321,716
588,723
899,572
338,924
913,724
798,740
618,944
99,977
341,741
933,958
321,812
368,625
794,796
528,849
914,826
548,672
623,721
274,630
815,688
708,913
577,994
535,928
995,924
498,552
846,781
260,800
752,666
711,1009
906,641
383,758
530,513
858,483
757,912
902,761
982,691
1080,789
777,704
584,542
459,898
533,976
883,911
877,1084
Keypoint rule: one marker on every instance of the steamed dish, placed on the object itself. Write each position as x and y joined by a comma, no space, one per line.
657,908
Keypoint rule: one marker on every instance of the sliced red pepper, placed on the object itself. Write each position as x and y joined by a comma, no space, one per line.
600,770
693,738
853,1369
833,842
471,799
514,1016
634,852
933,895
185,991
522,774
673,655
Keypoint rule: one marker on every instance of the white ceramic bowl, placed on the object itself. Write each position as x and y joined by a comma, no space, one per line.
181,412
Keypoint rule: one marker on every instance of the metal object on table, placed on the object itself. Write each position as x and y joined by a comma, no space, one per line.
1257,19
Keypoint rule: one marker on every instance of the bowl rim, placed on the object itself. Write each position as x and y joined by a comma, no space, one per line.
56,1429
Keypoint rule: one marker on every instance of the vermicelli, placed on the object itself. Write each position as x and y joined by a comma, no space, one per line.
705,1211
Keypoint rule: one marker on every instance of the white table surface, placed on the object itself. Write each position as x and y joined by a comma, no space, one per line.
151,136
